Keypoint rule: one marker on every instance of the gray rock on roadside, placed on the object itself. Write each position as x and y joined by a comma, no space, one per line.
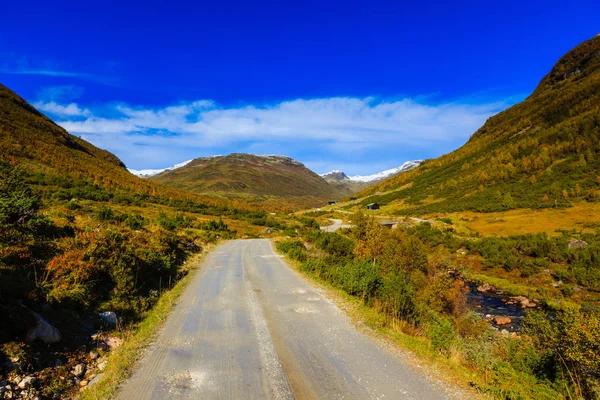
79,370
94,354
110,317
95,380
43,331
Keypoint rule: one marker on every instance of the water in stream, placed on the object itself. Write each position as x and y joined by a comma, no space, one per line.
492,304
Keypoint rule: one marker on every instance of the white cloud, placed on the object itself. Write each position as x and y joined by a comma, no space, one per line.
338,129
60,110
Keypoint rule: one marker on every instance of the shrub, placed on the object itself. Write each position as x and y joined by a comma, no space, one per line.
179,220
104,213
360,279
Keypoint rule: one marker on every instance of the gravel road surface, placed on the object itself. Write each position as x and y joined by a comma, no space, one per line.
249,327
337,224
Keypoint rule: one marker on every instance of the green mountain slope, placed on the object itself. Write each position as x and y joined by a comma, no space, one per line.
540,153
251,177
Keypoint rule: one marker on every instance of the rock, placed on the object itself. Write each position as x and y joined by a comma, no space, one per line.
110,317
113,342
486,287
102,361
83,383
267,230
43,331
26,382
101,345
94,354
523,301
577,244
79,370
95,380
501,320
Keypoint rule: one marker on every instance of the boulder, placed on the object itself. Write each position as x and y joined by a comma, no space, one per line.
577,244
110,317
43,331
102,361
523,301
113,342
486,287
79,370
26,382
501,320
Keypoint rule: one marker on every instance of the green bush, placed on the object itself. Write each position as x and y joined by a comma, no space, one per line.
360,278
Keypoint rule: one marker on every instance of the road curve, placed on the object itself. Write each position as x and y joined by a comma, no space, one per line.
337,224
249,327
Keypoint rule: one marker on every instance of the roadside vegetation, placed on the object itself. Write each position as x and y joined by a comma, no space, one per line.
67,255
412,276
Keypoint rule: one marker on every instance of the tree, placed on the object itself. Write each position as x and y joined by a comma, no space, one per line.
20,220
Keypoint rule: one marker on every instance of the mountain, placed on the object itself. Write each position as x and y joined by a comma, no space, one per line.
146,173
352,184
57,160
542,152
262,178
407,166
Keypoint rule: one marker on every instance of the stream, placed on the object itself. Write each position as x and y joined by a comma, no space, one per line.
490,303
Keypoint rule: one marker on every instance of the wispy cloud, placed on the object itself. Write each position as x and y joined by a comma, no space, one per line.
45,72
60,93
356,132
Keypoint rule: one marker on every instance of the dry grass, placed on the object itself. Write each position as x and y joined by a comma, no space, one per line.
582,217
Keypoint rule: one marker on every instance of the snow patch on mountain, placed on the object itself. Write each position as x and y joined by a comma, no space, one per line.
145,173
407,166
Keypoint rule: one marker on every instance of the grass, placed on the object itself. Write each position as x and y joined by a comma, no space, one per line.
122,361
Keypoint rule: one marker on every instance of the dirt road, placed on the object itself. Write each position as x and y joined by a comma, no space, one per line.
337,224
249,327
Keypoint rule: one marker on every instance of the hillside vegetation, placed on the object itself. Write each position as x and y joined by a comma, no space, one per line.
266,179
541,153
410,279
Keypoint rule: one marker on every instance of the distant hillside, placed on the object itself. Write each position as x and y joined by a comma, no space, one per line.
60,160
252,177
352,184
540,153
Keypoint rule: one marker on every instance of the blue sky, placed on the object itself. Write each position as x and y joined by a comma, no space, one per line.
358,86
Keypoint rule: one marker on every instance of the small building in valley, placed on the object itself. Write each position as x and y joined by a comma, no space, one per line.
373,206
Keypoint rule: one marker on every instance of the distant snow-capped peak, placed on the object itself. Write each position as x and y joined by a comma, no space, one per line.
337,174
145,173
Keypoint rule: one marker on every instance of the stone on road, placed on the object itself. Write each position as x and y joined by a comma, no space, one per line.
249,327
